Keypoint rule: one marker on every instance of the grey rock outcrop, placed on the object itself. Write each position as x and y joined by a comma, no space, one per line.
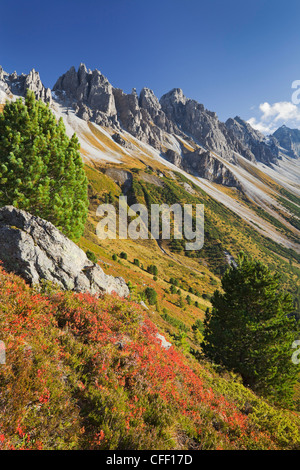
122,177
174,157
93,98
150,102
90,94
163,342
135,119
289,139
36,250
205,165
260,148
151,120
204,126
34,83
3,74
162,123
129,113
19,84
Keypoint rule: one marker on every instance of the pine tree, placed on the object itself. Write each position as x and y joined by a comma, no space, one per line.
152,269
151,295
250,330
41,169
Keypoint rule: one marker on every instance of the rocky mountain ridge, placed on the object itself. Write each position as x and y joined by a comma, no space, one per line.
260,149
156,122
289,139
147,118
19,84
152,120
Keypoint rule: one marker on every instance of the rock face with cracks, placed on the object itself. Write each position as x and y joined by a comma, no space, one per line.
36,250
19,84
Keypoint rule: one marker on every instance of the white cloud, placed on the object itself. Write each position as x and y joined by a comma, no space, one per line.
275,115
263,128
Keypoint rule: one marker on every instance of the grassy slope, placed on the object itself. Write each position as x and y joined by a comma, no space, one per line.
224,231
83,373
88,373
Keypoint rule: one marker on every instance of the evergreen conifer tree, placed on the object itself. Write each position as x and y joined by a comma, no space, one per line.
250,330
41,170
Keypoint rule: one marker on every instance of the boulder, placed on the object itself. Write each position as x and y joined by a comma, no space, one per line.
122,177
163,342
36,250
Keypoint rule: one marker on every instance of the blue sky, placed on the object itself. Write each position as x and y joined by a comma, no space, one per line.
235,57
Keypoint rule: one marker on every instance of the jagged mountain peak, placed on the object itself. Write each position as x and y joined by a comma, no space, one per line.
94,98
150,102
178,128
18,84
254,141
243,130
288,139
174,98
157,122
89,93
176,93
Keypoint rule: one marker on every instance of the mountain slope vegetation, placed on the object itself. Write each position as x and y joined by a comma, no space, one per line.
94,372
91,373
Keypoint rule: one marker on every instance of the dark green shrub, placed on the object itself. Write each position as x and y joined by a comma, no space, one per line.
151,295
91,256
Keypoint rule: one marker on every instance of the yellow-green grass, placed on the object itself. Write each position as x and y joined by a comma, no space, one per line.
190,272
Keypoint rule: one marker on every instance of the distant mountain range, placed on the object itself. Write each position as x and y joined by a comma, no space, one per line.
177,132
147,118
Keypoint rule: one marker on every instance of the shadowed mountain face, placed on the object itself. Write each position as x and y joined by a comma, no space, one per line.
202,125
289,139
260,148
